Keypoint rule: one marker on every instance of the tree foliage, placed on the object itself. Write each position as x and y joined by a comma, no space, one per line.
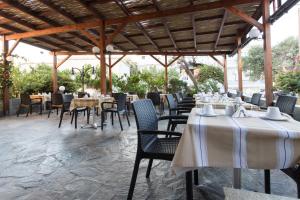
284,57
288,81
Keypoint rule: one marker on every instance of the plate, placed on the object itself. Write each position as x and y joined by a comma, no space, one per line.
207,115
283,118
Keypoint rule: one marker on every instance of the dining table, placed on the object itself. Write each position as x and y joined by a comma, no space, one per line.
92,103
236,142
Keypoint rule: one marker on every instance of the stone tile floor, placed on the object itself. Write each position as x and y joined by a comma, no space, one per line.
40,161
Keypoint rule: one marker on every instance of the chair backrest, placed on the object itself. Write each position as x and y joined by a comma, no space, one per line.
171,104
67,98
25,99
177,97
57,99
121,101
286,104
116,95
146,119
255,100
154,97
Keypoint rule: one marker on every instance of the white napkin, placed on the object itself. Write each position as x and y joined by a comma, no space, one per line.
241,112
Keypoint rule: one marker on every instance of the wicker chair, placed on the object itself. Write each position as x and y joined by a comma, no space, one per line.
175,111
185,98
27,103
66,106
56,103
156,100
120,109
150,146
184,103
286,104
255,99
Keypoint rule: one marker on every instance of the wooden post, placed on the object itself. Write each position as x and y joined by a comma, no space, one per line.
240,64
54,74
110,73
166,74
5,87
225,74
267,53
102,58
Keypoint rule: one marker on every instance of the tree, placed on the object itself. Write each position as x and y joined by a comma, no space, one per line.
288,81
284,58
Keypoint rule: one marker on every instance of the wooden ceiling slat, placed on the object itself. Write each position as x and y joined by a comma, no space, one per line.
221,29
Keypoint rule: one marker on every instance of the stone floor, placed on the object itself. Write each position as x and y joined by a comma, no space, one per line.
40,161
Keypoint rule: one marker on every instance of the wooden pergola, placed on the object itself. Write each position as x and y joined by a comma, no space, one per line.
146,27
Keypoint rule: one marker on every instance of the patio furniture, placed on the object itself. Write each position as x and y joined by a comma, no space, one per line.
184,97
156,100
223,141
79,105
56,103
176,112
27,102
121,108
150,146
180,101
255,99
67,99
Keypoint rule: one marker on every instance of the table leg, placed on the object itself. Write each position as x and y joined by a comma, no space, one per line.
237,178
189,185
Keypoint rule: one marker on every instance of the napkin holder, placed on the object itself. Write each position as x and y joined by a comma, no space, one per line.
240,113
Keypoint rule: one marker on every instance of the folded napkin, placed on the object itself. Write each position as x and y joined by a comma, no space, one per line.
241,112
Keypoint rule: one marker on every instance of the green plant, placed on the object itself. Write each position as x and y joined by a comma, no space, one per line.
288,82
177,85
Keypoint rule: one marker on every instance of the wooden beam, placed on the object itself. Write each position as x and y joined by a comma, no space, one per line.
240,64
166,74
165,25
225,74
5,89
115,33
63,61
117,61
90,36
245,17
102,59
54,74
217,60
110,73
194,32
178,11
174,60
147,53
13,47
90,8
221,29
138,25
157,60
267,53
55,30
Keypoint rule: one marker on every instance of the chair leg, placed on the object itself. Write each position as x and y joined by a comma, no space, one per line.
28,111
120,121
267,181
169,125
196,177
102,119
76,115
18,111
149,168
41,108
49,113
189,185
173,127
112,118
134,176
88,115
73,113
61,117
127,118
56,111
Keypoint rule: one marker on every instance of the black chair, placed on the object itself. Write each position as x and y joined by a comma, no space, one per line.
65,106
286,104
156,100
77,111
255,99
150,146
185,98
56,103
176,111
27,103
121,108
179,100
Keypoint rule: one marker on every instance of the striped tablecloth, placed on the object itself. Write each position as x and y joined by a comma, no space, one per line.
250,142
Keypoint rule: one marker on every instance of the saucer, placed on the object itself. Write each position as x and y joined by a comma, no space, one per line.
282,118
207,115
